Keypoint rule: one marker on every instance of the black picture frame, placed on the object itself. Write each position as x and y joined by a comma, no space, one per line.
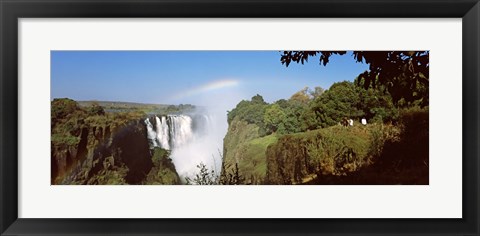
11,11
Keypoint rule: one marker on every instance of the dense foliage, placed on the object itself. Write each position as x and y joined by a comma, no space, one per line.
404,74
163,170
309,110
250,111
301,140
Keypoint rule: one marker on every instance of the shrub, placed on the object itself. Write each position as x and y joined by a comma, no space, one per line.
62,107
96,109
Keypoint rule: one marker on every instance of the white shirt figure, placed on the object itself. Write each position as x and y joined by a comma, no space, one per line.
350,122
364,121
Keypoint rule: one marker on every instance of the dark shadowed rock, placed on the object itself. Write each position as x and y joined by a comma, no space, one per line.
130,146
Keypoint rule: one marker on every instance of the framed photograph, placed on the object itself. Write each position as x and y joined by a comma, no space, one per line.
228,117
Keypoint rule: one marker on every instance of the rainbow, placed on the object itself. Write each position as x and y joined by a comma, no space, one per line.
215,85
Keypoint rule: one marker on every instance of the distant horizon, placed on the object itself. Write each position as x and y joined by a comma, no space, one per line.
94,100
199,78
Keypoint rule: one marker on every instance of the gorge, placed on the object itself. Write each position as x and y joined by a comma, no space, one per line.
90,146
257,143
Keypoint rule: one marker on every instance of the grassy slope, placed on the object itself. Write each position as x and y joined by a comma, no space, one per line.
243,145
252,158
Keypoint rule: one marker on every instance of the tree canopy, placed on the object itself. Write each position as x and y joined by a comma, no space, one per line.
340,101
405,74
250,111
304,111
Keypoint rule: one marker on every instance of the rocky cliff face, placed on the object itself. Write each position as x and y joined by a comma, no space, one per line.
101,149
238,133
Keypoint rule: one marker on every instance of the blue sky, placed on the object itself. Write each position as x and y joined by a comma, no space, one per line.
175,77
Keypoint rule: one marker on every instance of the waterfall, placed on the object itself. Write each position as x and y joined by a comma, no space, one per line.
162,133
192,139
181,131
170,132
151,134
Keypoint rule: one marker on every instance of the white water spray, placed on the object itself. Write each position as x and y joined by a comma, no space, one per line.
192,139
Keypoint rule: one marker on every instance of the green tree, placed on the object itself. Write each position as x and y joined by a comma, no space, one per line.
317,92
301,96
257,99
377,105
309,120
62,107
405,74
96,109
250,111
273,118
291,122
338,102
